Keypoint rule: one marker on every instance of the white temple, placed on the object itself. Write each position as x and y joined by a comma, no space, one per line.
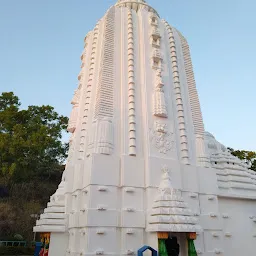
140,163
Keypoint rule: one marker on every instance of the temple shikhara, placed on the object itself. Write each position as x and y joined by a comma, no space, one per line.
141,169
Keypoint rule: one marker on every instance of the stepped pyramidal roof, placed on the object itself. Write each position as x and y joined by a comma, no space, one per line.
169,211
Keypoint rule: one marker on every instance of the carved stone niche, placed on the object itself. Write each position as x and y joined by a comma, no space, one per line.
161,138
157,55
153,19
102,138
155,37
159,103
155,42
155,33
157,59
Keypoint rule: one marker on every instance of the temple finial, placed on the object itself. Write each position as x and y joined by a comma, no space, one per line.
139,1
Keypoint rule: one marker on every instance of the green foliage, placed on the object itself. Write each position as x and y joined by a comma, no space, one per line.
248,157
26,199
7,216
31,164
30,140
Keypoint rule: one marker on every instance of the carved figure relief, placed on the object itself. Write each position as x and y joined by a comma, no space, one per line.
157,59
159,103
165,185
161,138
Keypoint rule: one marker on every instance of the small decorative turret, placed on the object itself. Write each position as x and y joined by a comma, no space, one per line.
169,211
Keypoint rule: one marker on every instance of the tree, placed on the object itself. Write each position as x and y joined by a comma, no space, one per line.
30,140
31,162
248,157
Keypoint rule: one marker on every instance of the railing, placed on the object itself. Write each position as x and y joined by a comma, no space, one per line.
13,243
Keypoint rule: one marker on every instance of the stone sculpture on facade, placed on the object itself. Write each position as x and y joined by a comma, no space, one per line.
159,103
161,138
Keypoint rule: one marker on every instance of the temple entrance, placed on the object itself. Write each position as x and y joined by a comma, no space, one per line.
172,246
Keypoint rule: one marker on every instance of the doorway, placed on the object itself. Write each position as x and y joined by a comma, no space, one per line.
172,246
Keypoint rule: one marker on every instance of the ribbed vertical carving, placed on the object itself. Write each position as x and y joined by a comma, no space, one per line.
193,96
88,92
105,88
131,88
101,139
202,158
179,102
102,136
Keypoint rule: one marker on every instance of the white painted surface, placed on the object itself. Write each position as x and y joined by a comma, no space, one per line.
58,243
136,109
238,229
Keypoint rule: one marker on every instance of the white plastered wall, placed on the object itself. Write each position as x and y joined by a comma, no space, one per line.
58,244
108,196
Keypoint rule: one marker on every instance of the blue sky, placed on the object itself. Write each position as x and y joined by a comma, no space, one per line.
41,43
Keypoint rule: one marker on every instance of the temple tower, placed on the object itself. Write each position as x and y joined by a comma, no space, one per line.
139,168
